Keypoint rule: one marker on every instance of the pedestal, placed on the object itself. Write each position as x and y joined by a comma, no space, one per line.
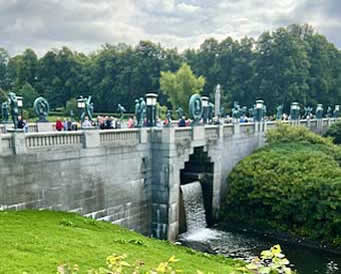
44,126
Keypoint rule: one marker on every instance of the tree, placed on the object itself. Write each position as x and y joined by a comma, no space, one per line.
179,86
4,75
29,94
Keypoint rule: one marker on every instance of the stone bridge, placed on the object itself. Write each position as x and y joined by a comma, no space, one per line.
129,177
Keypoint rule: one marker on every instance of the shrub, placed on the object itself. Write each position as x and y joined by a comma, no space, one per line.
334,132
285,133
290,186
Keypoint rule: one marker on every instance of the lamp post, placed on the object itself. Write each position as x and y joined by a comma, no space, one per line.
151,100
81,105
259,110
204,100
294,111
319,111
20,105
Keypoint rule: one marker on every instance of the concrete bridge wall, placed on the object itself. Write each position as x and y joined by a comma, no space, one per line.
129,177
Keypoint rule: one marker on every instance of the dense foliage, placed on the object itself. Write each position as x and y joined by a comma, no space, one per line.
293,184
293,63
334,131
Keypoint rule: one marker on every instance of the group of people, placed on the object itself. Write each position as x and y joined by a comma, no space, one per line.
102,122
106,122
66,125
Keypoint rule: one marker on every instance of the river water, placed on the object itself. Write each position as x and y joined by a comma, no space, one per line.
247,245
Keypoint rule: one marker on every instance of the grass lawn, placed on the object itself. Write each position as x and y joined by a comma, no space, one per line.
39,241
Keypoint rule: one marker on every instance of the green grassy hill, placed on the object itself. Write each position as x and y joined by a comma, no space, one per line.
39,241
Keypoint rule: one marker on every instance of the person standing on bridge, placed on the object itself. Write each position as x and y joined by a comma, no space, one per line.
59,125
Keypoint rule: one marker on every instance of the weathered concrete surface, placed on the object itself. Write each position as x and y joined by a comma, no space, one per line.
112,183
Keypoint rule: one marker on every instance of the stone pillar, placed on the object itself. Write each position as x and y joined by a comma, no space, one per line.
19,143
91,138
319,125
143,135
165,187
198,133
236,128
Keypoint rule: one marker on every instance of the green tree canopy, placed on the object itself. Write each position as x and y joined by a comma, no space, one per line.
179,86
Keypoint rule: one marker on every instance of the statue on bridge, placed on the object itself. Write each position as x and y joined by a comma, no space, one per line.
236,111
195,109
169,119
251,112
180,112
5,111
329,112
336,112
121,109
279,113
13,103
141,110
210,112
88,108
307,112
41,108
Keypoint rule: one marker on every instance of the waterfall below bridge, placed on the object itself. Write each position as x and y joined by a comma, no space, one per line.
194,206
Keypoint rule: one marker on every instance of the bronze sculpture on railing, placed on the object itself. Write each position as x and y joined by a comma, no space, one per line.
279,112
13,103
41,108
195,109
236,112
168,119
307,112
210,113
121,109
180,112
140,111
5,112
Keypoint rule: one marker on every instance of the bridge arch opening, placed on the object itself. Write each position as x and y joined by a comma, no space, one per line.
200,168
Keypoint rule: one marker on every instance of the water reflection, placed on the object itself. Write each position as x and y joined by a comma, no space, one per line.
246,246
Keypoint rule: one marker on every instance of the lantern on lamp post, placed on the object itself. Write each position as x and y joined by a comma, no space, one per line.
151,100
81,105
204,100
294,111
20,102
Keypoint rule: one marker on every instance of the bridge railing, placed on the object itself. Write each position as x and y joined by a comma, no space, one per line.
247,128
120,136
228,130
182,133
211,132
52,139
132,137
6,144
32,127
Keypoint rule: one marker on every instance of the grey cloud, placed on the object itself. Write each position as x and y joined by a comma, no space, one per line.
86,24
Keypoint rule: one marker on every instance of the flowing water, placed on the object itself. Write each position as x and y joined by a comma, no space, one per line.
245,245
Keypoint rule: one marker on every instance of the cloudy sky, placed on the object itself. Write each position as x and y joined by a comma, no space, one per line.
84,25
